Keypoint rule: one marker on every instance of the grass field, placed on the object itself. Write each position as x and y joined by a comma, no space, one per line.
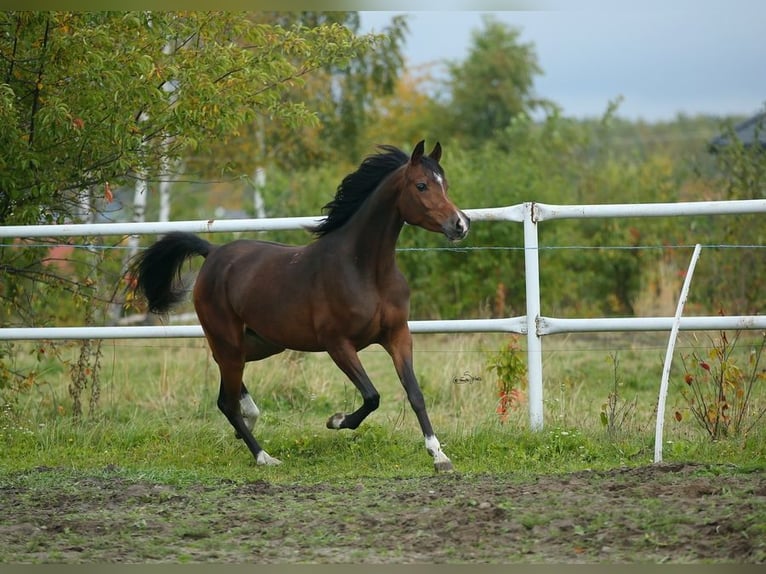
157,409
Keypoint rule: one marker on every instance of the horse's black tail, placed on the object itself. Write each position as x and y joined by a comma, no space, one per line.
157,271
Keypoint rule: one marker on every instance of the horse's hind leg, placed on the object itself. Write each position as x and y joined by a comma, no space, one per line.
256,349
235,403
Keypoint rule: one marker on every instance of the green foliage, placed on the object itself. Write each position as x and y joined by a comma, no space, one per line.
95,97
740,174
719,388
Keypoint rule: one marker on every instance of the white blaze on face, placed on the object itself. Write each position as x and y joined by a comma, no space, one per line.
463,221
440,180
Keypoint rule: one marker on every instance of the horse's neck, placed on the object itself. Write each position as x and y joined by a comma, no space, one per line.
372,232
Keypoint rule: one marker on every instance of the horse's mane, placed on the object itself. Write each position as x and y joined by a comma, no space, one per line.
359,185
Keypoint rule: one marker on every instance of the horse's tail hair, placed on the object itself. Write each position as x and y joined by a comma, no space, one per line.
157,271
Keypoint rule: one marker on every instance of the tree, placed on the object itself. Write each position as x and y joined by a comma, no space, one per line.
82,98
493,84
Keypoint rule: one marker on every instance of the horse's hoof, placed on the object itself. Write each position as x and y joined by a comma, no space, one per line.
266,459
335,421
443,466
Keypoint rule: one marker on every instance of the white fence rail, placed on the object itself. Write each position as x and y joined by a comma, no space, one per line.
533,324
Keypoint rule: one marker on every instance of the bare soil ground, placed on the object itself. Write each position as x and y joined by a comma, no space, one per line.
658,513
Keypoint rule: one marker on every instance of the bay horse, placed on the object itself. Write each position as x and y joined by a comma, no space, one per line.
339,293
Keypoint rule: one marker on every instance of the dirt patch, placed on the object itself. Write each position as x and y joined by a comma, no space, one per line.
674,513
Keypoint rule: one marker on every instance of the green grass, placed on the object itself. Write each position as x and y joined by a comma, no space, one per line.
157,416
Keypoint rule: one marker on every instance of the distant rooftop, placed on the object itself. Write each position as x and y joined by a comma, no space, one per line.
750,132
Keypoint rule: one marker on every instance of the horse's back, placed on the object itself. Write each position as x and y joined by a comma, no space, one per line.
246,255
244,264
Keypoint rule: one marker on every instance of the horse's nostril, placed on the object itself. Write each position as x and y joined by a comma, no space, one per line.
462,223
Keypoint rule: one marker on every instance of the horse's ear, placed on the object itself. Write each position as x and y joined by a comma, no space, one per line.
436,153
417,153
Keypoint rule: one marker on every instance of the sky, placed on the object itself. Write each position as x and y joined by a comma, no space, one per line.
663,59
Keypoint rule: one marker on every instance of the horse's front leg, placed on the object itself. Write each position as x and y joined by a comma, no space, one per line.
400,349
344,355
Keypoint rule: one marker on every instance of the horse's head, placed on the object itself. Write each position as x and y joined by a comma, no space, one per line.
423,200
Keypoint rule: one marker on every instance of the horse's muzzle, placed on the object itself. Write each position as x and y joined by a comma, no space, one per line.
457,227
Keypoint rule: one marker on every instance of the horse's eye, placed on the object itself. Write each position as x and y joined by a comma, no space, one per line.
421,186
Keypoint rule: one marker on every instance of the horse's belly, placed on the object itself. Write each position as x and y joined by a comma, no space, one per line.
284,329
303,328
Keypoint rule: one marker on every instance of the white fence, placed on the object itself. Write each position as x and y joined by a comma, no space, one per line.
533,324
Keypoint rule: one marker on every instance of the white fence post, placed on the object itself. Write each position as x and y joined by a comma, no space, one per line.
660,423
534,342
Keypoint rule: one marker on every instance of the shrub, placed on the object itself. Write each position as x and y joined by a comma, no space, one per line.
511,372
719,391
